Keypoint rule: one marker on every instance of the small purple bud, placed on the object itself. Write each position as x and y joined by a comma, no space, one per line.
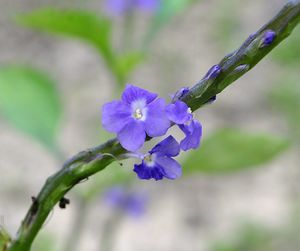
268,38
213,72
211,100
180,93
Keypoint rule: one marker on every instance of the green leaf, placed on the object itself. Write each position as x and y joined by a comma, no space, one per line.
84,25
128,62
30,102
89,27
229,150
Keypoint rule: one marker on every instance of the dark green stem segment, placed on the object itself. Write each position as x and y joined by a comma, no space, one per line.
91,161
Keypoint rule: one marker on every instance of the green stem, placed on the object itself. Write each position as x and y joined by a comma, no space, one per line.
91,161
237,63
128,31
79,167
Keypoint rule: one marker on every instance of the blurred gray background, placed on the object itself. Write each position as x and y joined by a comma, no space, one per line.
187,214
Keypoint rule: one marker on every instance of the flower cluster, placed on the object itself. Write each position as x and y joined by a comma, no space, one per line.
139,114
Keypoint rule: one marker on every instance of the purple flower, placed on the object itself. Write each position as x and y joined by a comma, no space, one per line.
193,133
158,163
119,7
121,198
147,5
180,114
139,112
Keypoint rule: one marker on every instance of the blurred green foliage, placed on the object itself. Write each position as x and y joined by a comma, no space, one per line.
126,64
4,239
227,33
170,8
45,242
285,97
167,10
81,24
229,150
257,237
249,237
30,101
288,53
89,27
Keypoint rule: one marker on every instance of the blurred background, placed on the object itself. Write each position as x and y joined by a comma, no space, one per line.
60,61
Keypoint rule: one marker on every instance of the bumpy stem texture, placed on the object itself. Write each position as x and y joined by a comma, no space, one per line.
91,161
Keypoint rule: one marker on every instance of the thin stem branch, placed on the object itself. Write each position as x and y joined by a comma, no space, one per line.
93,160
78,226
109,230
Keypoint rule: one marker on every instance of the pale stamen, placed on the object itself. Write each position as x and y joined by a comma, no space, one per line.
150,159
138,113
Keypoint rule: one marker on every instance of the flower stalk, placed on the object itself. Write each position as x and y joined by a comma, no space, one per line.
91,161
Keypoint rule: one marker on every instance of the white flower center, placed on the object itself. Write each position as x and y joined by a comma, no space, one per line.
150,160
139,109
138,114
189,111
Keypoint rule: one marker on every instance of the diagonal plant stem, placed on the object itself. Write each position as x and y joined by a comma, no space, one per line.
91,161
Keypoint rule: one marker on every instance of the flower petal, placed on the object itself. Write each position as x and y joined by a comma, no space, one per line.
172,169
169,147
136,204
142,171
178,112
145,172
157,173
116,7
133,93
115,196
132,136
156,121
115,115
148,5
193,133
